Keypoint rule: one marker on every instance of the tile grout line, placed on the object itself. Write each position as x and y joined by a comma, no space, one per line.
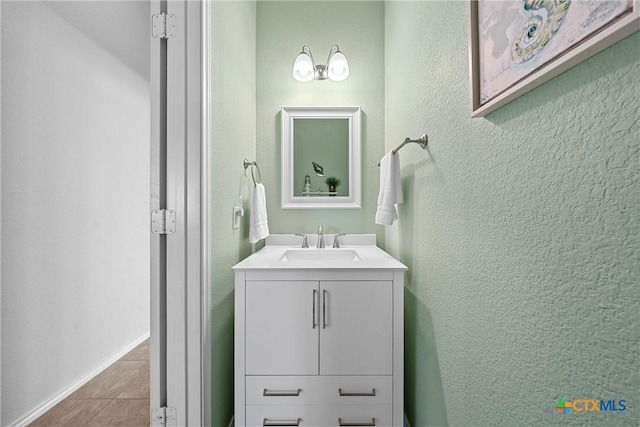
96,414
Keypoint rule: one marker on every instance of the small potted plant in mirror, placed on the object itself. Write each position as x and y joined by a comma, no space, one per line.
332,182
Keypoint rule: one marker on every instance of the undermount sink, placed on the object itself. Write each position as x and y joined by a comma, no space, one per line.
320,255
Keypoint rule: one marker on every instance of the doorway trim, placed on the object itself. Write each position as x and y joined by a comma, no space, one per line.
206,186
181,283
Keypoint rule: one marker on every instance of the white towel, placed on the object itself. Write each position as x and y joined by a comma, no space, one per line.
258,224
390,189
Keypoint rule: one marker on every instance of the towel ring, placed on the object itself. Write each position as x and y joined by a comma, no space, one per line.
246,164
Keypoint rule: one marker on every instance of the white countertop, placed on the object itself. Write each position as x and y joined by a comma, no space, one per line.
273,255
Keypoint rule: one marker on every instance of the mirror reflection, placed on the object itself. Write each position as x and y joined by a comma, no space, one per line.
321,157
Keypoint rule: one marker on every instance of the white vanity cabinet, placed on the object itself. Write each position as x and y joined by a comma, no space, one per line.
319,327
319,346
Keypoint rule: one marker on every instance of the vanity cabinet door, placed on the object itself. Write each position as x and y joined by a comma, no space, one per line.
281,327
356,328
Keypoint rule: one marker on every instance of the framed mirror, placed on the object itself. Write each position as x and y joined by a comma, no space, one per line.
321,158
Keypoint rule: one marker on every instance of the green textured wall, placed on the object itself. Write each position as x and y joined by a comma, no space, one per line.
520,230
233,138
282,29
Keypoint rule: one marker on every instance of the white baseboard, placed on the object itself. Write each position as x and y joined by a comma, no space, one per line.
75,385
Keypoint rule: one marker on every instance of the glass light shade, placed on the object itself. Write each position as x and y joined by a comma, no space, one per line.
303,68
338,67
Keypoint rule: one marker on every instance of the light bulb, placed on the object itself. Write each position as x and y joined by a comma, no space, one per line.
303,68
338,67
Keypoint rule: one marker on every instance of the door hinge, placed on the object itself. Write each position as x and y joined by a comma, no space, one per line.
164,417
163,26
163,221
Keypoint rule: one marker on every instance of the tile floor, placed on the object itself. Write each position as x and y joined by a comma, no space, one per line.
117,397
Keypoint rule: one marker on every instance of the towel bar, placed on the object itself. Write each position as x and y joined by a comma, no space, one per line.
423,141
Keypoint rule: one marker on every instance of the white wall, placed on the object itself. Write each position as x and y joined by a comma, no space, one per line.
75,192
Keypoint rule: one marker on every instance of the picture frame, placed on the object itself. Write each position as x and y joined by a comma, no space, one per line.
514,48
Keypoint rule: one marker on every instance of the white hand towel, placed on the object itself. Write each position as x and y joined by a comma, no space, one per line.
390,189
258,224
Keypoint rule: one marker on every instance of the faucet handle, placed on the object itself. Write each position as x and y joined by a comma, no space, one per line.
336,241
305,241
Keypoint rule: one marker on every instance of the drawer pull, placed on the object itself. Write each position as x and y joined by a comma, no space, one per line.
281,393
353,394
281,423
356,423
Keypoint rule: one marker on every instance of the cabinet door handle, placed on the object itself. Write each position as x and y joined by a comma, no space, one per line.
357,423
324,309
351,394
281,393
313,314
284,423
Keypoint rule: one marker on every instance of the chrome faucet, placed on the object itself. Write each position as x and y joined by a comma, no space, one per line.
320,238
305,242
336,241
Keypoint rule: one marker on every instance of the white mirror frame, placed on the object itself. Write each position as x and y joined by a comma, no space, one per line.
353,200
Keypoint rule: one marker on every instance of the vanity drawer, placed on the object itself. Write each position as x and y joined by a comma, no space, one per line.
365,390
281,390
318,415
329,390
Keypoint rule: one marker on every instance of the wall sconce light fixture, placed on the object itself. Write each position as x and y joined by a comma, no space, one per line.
305,68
